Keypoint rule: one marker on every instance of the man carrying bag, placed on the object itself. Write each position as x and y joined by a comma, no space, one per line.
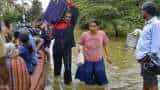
148,47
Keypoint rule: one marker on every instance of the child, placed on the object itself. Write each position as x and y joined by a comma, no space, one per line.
93,69
26,50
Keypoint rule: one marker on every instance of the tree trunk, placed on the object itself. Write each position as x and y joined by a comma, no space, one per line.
115,29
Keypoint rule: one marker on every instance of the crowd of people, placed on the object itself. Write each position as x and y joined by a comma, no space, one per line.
21,52
23,46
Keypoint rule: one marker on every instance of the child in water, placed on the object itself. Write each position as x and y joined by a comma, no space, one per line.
25,51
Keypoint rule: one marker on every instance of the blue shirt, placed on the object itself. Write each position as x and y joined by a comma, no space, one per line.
34,54
45,36
24,53
149,41
33,42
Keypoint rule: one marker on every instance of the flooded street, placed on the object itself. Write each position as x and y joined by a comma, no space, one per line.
122,75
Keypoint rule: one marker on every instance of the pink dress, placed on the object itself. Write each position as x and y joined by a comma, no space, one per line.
93,45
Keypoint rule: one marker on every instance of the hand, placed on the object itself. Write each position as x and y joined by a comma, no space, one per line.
16,53
68,1
109,60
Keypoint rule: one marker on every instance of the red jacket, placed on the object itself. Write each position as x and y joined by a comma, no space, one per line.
62,25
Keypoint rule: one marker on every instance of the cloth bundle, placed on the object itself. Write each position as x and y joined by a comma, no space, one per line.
55,11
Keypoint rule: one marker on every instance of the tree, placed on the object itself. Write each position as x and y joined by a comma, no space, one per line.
120,16
9,12
35,10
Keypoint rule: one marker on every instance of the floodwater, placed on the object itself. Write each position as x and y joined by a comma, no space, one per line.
123,74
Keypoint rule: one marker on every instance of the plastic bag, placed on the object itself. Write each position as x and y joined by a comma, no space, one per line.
51,53
80,58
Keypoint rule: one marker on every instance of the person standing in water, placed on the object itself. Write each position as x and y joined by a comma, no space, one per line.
63,33
93,42
149,43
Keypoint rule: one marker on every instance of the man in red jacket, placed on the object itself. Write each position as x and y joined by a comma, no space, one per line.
63,33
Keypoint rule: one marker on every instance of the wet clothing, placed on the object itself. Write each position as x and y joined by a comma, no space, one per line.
92,72
63,55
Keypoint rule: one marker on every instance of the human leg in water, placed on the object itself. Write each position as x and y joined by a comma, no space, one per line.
67,64
57,62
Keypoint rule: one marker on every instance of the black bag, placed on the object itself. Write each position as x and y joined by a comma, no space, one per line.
151,63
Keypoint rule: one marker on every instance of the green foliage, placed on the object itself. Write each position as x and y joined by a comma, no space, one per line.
35,11
119,16
13,13
8,11
12,16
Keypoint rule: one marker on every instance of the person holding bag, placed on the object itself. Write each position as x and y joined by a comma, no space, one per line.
148,47
93,42
63,33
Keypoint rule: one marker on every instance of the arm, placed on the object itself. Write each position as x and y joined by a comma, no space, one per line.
75,12
40,43
107,56
105,41
82,42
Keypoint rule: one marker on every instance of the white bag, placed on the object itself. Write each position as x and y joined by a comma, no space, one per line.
51,53
132,38
131,41
80,58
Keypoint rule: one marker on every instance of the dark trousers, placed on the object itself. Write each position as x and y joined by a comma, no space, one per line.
64,55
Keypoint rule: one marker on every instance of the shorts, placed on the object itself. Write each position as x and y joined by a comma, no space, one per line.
148,77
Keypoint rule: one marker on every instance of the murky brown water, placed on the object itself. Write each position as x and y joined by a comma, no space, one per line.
123,74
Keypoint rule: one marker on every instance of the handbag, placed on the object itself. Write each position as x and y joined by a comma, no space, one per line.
152,63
